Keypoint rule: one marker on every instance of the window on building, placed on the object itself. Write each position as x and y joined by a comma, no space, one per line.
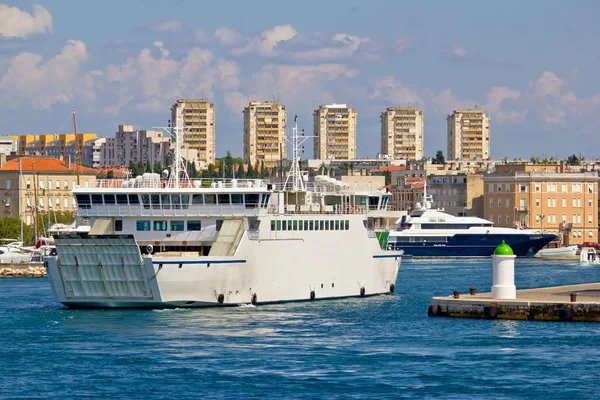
491,202
564,218
590,202
523,188
28,186
58,202
177,226
590,188
538,187
590,219
58,184
66,202
491,218
507,203
118,225
537,202
564,188
564,202
499,203
499,219
142,225
507,220
160,225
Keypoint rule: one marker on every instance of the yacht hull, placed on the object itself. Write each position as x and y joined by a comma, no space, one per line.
474,246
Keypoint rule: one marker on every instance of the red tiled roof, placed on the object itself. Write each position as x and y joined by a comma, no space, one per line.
43,164
390,168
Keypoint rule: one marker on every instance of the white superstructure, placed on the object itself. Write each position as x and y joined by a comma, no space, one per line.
187,243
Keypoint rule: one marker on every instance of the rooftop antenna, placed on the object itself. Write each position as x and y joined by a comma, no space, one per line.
295,175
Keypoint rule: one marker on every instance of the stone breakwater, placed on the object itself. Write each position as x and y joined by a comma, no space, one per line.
22,271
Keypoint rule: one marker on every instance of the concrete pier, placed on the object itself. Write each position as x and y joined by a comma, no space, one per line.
29,270
557,303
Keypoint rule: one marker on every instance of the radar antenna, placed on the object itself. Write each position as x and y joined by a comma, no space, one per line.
295,175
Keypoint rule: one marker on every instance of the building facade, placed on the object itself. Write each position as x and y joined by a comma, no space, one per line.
37,144
335,132
51,186
459,195
565,204
199,124
468,135
402,133
265,127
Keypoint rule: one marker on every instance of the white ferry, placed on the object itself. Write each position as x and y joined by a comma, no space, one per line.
192,243
428,232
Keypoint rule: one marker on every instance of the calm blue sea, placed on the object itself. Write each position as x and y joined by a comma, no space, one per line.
379,347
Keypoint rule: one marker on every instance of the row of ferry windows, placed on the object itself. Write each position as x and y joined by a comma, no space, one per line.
177,226
317,225
174,201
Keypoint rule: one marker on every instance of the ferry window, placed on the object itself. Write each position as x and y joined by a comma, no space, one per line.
321,225
373,201
155,200
197,199
326,223
251,200
160,225
121,199
265,201
295,225
96,199
166,201
109,199
300,225
306,225
83,199
185,201
177,225
142,225
210,199
224,198
337,225
272,225
284,225
289,224
145,200
134,199
278,225
237,199
194,225
175,201
347,225
118,225
311,225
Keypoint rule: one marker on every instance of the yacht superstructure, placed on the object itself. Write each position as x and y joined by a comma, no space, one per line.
189,243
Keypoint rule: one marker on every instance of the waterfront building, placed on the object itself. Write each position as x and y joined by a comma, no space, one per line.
52,185
545,198
458,195
335,132
37,144
265,124
199,127
402,133
468,135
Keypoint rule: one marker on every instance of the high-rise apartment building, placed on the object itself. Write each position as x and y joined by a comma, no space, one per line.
199,124
468,135
265,125
37,144
335,132
402,133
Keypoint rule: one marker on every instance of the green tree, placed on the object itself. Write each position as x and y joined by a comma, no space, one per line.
573,160
388,177
439,158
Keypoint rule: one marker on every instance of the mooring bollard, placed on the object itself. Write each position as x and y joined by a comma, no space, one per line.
456,294
573,297
472,291
503,273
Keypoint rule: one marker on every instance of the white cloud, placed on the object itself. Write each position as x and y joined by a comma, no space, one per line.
228,37
265,44
458,53
404,43
169,26
43,84
494,98
15,23
551,98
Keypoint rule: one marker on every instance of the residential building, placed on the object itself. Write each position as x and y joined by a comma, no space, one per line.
335,132
8,145
92,150
131,145
265,127
199,124
543,198
468,135
459,195
51,185
406,195
36,144
402,133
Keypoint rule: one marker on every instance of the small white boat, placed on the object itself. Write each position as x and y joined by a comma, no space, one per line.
588,255
559,252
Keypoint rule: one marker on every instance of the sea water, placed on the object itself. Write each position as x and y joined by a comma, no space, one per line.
376,347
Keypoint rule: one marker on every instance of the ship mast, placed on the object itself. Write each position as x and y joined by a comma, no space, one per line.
295,175
35,203
77,149
176,130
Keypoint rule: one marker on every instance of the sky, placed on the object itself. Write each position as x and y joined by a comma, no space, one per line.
533,66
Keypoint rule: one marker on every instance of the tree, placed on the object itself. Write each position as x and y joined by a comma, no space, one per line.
573,160
439,158
388,178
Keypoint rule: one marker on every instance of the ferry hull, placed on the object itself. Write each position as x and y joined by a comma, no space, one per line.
110,273
474,248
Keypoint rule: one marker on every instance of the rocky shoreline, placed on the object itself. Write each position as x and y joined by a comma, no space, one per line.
22,271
